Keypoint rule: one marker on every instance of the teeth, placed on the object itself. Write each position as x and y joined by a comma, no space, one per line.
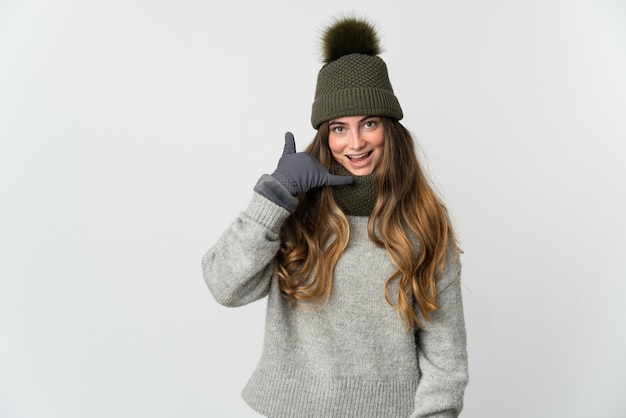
358,156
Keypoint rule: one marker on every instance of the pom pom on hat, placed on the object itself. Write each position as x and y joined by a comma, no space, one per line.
349,35
353,80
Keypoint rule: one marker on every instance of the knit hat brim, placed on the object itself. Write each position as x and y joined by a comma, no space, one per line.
353,102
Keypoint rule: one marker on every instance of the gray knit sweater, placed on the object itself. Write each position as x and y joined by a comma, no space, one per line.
351,357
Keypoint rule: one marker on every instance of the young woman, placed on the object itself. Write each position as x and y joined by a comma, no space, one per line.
356,256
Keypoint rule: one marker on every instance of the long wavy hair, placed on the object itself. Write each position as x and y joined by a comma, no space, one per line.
407,210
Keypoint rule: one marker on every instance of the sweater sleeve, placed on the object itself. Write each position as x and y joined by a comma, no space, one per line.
239,266
442,351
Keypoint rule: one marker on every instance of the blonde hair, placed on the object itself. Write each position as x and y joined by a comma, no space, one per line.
407,209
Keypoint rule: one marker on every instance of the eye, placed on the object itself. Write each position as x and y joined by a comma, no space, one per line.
338,129
370,124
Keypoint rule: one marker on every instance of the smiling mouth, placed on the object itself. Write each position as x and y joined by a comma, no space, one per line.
359,157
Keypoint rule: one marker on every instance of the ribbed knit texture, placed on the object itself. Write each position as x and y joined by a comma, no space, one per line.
350,357
307,395
355,84
358,198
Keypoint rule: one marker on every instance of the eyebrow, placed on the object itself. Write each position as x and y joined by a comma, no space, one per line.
336,122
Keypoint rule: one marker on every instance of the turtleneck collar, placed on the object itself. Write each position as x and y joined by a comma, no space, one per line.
358,198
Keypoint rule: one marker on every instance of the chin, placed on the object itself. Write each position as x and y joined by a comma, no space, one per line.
365,171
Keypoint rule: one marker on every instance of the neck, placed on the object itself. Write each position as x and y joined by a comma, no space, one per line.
358,198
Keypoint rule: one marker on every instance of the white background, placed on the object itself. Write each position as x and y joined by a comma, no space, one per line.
132,133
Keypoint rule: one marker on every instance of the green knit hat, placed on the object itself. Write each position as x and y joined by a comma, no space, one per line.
354,80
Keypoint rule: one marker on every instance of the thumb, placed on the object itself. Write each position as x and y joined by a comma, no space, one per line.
290,144
335,180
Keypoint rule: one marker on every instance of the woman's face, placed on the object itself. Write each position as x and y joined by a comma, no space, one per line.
357,142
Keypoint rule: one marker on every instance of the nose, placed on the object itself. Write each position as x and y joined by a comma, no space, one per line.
356,140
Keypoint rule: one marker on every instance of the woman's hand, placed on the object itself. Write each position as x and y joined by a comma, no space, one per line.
300,172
